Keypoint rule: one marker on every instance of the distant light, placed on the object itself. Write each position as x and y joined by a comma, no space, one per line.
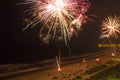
97,59
113,54
84,60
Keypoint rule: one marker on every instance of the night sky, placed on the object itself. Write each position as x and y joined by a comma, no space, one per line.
25,46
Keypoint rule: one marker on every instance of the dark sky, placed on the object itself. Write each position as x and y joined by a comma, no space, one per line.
18,46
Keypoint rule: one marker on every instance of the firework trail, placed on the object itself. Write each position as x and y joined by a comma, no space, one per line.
60,18
58,63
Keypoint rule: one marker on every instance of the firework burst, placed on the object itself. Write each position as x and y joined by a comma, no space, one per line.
111,27
60,18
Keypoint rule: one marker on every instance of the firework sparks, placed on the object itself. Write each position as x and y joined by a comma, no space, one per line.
111,27
60,18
